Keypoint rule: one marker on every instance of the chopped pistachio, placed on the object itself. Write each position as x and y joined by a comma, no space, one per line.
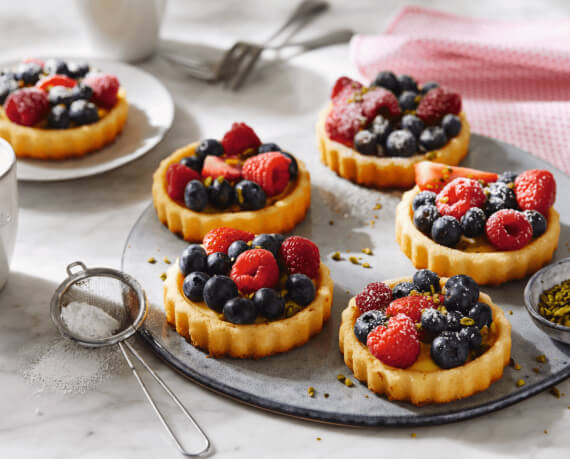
378,206
517,366
348,382
331,222
336,256
367,251
166,260
318,438
413,435
366,265
545,432
541,358
554,304
208,181
340,377
353,260
510,312
163,277
520,382
536,370
311,391
467,321
152,260
555,391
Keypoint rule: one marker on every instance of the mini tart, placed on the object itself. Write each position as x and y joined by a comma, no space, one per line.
481,261
280,215
205,328
389,171
36,143
424,382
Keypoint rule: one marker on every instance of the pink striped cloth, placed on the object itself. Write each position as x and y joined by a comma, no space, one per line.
514,77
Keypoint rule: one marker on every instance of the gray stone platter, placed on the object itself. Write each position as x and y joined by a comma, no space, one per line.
280,383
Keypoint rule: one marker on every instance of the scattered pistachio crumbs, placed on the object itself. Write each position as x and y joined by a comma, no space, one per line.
378,206
555,304
510,312
517,366
336,256
413,435
555,391
340,377
318,438
167,260
311,391
521,382
163,277
152,260
366,265
354,260
536,370
348,382
326,395
367,251
545,432
541,358
331,222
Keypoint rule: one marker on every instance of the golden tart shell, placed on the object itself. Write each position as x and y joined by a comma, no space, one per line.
56,144
489,267
421,387
386,172
207,330
279,216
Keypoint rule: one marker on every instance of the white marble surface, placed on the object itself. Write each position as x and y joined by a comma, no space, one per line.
90,220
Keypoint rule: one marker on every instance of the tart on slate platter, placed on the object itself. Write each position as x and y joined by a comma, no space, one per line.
57,110
491,227
237,182
243,295
373,135
425,339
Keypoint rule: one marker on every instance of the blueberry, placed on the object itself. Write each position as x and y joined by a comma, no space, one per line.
499,196
77,70
218,263
433,321
401,143
402,289
389,81
432,138
293,166
482,315
81,91
365,142
446,231
423,198
429,86
453,319
408,100
537,221
300,289
82,112
448,351
209,147
193,162
267,242
507,177
279,238
473,222
461,293
7,85
240,311
368,322
193,258
426,281
56,66
269,303
60,95
413,124
451,125
267,147
381,128
471,336
236,248
250,196
218,290
29,73
58,117
425,216
220,193
193,285
407,83
195,195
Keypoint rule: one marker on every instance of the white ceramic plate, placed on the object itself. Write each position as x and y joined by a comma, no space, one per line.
151,113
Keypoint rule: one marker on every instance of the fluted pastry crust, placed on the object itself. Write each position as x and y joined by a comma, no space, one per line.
421,387
280,216
385,172
495,267
57,144
205,328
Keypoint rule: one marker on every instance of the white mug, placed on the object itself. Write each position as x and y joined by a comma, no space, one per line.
8,208
126,30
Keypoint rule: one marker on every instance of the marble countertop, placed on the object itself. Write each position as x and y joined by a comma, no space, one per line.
90,219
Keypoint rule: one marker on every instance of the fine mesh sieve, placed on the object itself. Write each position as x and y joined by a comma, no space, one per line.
121,297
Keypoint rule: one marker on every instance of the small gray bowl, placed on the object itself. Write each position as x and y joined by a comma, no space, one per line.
542,280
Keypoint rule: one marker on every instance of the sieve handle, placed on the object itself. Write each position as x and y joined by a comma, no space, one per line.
206,450
70,267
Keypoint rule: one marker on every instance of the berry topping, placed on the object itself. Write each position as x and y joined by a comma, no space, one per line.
426,281
193,258
216,167
239,139
402,289
342,85
473,222
434,176
219,239
381,128
28,72
397,344
177,177
293,166
537,221
461,293
388,80
60,95
255,269
407,83
411,306
250,196
367,322
268,147
535,190
482,315
82,112
269,303
218,263
195,195
55,80
413,124
220,193
193,285
508,229
507,177
426,87
58,117
446,231
472,336
239,311
423,198
458,196
52,66
401,143
301,255
433,321
433,137
365,142
209,147
451,125
269,170
448,350
425,216
26,106
105,88
379,101
193,162
436,104
407,100
268,242
343,122
7,85
499,196
236,248
300,289
375,295
218,290
454,320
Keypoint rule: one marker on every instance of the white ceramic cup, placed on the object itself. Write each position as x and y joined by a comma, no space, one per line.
126,30
8,208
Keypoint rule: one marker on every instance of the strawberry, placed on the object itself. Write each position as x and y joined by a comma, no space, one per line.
380,101
177,177
397,344
55,80
535,189
269,170
219,239
412,306
458,196
436,104
375,295
508,229
26,106
105,88
215,167
255,269
239,139
433,176
301,255
344,89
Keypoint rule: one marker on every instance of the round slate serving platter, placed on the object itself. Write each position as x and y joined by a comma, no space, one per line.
341,219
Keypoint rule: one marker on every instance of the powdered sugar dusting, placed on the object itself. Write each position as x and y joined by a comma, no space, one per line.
88,321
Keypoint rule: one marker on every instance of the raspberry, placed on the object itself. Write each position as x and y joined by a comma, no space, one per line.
55,80
26,106
375,295
458,196
535,190
239,139
215,167
219,239
380,101
255,269
412,306
397,344
301,255
343,87
105,88
343,122
177,176
269,170
508,229
436,104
